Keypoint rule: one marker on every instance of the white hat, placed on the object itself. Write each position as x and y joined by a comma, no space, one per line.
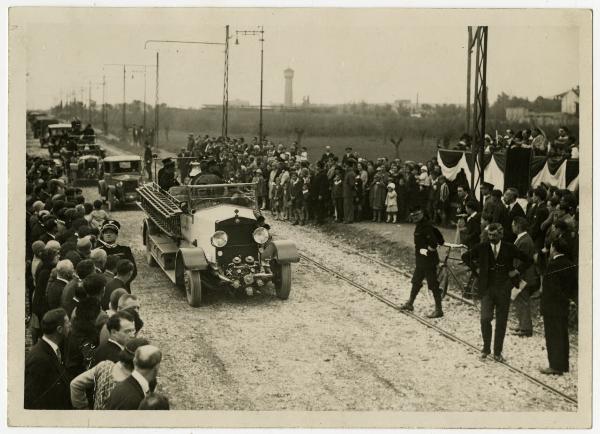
424,169
195,168
392,185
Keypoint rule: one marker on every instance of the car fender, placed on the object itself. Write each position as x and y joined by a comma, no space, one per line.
285,251
193,258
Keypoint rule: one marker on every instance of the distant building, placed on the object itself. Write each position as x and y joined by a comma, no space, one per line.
525,116
288,100
569,101
238,103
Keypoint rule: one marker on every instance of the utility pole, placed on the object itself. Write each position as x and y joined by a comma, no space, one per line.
156,107
261,33
468,106
89,102
225,114
124,103
104,123
144,99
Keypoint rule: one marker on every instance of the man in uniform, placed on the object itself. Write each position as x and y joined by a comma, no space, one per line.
109,232
495,260
211,176
427,239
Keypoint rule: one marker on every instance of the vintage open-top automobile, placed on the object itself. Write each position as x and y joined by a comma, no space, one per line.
214,236
122,175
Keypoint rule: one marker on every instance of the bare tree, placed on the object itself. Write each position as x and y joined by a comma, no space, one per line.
396,143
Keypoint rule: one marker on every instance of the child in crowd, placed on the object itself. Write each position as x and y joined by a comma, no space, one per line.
391,203
377,198
305,204
98,214
261,188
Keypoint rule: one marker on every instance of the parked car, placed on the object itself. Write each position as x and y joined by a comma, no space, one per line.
122,175
214,236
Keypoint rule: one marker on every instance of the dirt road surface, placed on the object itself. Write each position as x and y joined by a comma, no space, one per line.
328,347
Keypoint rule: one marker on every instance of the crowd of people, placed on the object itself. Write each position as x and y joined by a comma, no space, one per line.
351,188
86,350
564,145
85,321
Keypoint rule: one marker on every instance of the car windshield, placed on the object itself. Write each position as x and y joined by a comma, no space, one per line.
204,196
125,166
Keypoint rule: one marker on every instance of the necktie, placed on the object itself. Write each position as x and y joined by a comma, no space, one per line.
496,251
58,356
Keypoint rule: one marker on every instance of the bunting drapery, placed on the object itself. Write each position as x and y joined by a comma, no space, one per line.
515,168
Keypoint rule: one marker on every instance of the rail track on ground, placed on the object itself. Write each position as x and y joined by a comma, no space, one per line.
431,325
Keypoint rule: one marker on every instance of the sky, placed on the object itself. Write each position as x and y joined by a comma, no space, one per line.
338,56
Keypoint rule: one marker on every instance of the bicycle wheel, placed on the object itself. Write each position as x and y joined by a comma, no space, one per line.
442,276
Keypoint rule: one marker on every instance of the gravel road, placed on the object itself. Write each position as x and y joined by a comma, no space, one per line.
329,347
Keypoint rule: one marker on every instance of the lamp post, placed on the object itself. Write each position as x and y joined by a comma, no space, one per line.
225,80
260,33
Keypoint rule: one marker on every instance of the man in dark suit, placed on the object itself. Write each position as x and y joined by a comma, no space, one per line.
121,280
559,286
513,210
83,270
319,192
495,260
46,381
128,394
525,244
538,213
64,273
121,329
472,229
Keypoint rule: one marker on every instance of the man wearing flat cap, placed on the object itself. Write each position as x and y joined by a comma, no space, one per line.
109,233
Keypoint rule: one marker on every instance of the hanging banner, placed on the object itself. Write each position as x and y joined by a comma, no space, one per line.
452,163
557,179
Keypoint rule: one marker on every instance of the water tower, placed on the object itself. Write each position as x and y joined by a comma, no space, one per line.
288,100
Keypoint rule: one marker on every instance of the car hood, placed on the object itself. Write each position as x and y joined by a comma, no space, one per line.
126,177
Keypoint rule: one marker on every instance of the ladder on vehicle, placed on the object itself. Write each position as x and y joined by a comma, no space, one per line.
162,208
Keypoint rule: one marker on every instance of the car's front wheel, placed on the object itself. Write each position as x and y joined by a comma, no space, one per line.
282,279
192,281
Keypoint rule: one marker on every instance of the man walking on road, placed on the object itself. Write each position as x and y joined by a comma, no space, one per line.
495,260
427,240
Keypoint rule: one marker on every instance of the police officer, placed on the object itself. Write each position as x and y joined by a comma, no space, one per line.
427,239
109,232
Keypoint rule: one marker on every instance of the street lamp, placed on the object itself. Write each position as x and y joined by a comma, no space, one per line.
261,33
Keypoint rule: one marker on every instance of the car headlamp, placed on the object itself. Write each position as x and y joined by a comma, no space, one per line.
260,235
219,239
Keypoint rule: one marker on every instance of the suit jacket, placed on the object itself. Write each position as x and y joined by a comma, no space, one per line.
54,293
46,381
538,214
559,285
106,351
481,257
509,216
69,292
525,244
126,395
472,231
348,184
111,285
123,252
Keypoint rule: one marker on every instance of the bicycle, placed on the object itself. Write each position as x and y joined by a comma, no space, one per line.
445,272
